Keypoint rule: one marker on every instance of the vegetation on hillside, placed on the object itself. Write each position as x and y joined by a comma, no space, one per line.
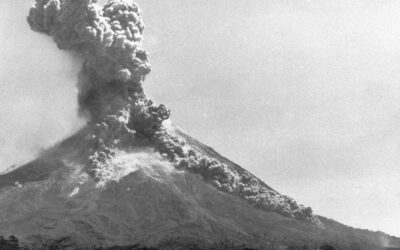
281,243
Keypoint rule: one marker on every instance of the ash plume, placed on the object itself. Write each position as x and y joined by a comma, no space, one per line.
108,39
111,97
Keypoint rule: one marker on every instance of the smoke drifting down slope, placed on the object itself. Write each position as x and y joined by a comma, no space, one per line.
120,117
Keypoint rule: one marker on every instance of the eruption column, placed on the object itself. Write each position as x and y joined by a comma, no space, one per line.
108,38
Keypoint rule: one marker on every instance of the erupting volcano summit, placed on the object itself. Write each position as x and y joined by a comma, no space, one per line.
111,96
130,176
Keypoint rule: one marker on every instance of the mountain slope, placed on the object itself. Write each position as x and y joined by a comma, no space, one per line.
146,200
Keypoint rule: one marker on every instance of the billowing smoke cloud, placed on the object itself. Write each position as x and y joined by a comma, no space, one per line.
111,96
108,38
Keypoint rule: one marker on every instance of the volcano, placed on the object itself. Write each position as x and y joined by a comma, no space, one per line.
132,178
147,200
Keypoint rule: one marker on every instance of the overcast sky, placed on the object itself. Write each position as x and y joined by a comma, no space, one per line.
304,94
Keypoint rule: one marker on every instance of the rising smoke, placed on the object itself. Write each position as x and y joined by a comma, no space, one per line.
111,97
115,64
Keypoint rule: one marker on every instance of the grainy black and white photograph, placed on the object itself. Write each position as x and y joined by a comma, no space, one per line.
199,124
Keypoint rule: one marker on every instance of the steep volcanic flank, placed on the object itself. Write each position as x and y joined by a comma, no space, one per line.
145,200
129,176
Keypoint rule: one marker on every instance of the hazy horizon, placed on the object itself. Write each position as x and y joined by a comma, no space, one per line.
304,94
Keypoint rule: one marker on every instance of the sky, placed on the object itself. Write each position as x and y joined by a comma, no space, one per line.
304,94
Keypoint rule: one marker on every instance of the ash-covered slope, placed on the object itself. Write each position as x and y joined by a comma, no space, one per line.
147,200
129,176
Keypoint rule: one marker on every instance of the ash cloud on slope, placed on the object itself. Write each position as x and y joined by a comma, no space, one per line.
111,97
